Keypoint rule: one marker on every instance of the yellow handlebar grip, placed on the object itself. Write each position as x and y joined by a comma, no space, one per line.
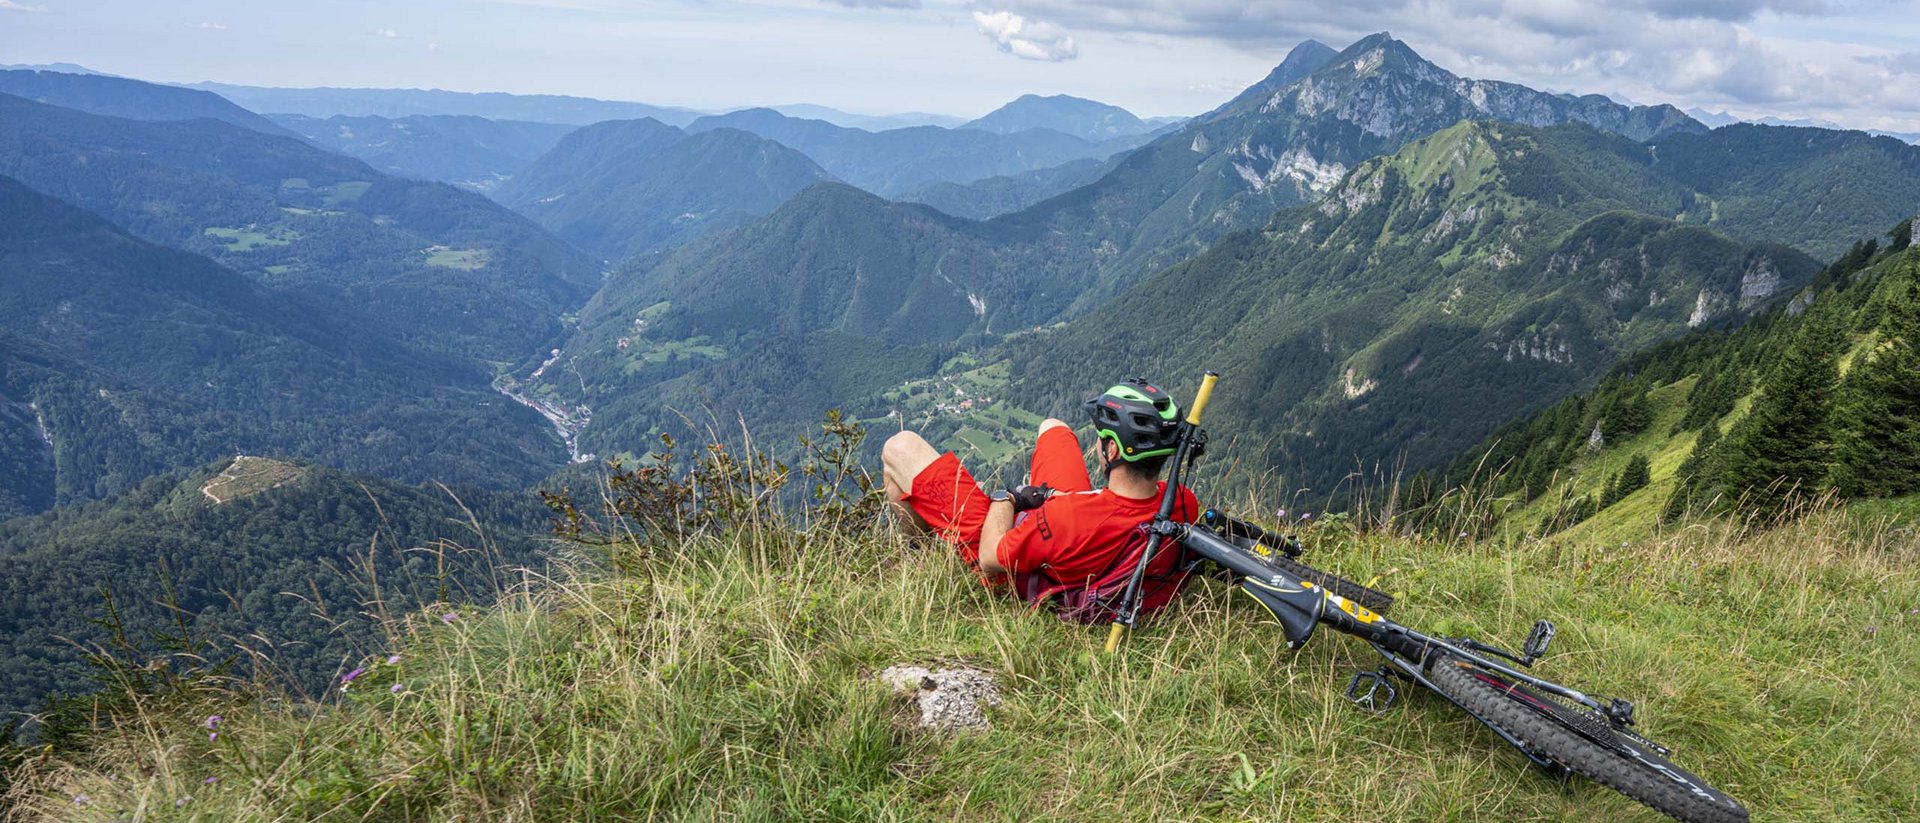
1113,638
1200,400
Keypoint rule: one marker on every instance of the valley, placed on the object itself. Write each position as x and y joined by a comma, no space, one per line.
504,424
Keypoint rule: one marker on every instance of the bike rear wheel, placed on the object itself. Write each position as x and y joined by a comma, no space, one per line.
1583,741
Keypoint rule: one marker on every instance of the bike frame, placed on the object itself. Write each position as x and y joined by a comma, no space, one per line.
1300,605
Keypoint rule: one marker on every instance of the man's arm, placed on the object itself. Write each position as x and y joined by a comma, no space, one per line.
999,522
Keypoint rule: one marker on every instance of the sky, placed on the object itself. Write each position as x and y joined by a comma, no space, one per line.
1853,62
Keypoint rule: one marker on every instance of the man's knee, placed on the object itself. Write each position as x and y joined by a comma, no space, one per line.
902,447
1053,423
902,457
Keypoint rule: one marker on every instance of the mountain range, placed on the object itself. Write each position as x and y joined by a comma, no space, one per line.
120,359
624,187
898,160
445,268
1088,120
398,103
1388,262
470,151
132,99
835,263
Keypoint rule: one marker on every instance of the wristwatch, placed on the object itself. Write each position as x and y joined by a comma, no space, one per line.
1000,496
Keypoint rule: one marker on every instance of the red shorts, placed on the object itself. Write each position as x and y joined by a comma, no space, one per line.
946,496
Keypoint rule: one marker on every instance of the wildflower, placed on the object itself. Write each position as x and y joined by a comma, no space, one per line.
182,801
1307,516
398,688
449,617
212,736
81,800
209,781
213,721
1282,514
1463,534
347,679
393,660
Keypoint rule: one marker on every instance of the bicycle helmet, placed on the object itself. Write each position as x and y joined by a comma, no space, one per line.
1142,420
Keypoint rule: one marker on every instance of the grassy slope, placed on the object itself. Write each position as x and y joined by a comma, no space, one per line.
727,677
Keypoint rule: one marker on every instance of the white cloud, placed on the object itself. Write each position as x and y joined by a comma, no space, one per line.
9,5
1027,39
433,47
214,26
875,4
390,34
1758,55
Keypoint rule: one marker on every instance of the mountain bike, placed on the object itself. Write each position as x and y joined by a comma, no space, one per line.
1560,729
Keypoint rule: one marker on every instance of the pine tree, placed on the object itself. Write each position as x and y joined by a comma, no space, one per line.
1692,475
1902,236
1783,445
1636,476
1877,420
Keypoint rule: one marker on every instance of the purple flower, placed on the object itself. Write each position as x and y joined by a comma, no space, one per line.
1307,516
213,721
393,660
449,617
398,688
349,676
212,736
209,781
1282,514
81,800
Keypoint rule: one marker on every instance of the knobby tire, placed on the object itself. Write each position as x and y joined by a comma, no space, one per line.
1376,601
1567,735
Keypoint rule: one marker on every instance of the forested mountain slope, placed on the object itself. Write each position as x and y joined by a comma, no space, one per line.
905,277
285,559
440,267
1282,142
625,187
1086,119
899,160
994,196
460,149
120,359
1819,395
1479,272
131,99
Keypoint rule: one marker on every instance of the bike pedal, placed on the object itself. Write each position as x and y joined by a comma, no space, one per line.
1379,695
1537,641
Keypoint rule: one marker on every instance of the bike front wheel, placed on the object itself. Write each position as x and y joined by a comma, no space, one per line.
1583,741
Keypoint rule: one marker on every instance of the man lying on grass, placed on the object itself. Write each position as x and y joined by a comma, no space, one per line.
1057,533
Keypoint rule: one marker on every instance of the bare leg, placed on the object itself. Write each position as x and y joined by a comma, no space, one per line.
902,458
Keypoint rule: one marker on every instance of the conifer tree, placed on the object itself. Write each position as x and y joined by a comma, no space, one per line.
1877,419
1783,446
1691,474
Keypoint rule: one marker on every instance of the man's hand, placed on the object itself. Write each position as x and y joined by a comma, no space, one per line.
1028,498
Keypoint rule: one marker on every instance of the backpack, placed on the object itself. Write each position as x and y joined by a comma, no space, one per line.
1097,599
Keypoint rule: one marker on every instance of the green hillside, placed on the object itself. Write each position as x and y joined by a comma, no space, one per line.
729,673
293,562
626,187
120,359
302,220
833,260
894,161
1814,397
